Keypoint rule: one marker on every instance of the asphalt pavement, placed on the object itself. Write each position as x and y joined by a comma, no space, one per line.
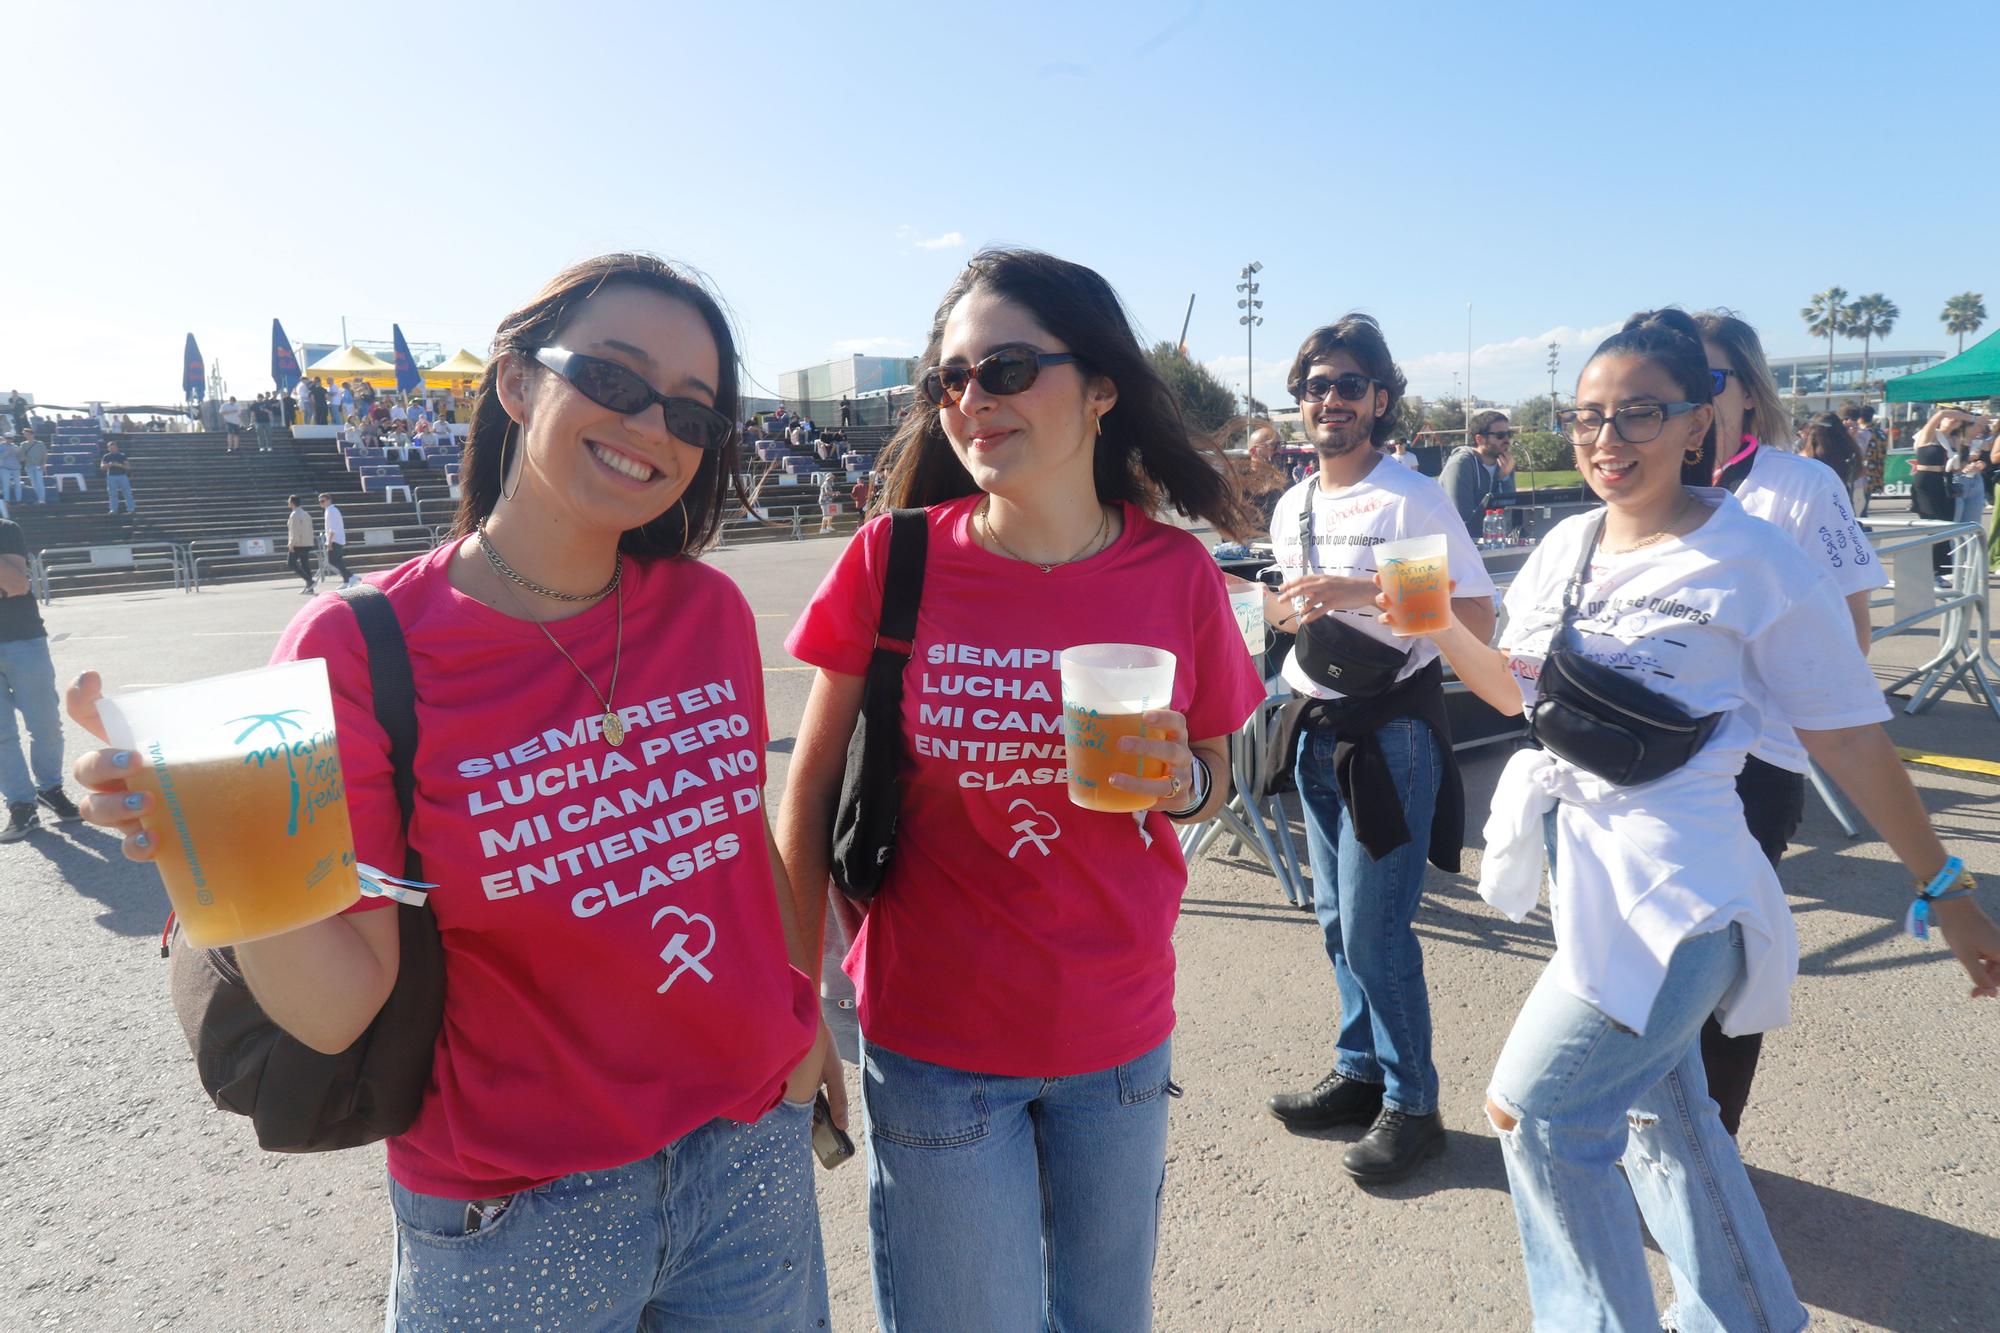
1873,1136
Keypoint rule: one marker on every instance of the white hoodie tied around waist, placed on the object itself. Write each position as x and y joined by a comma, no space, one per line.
1629,887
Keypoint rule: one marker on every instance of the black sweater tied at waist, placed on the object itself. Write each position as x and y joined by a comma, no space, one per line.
1361,770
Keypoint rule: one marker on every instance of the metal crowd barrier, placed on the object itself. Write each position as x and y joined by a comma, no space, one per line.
109,555
1958,608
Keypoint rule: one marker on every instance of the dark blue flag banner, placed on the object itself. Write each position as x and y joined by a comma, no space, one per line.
408,378
284,362
194,377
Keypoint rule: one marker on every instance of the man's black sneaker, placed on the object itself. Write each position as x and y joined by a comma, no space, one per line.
1334,1100
21,821
1394,1146
61,806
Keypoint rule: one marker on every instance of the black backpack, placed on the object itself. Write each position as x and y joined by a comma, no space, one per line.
299,1099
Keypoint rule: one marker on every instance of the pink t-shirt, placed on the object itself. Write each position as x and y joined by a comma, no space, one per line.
1019,934
615,967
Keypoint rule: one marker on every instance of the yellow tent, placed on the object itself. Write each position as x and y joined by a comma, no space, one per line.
351,363
455,371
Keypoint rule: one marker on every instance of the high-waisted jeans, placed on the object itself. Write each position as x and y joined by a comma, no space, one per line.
1589,1096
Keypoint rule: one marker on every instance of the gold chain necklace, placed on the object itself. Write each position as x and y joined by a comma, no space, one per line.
501,567
985,516
614,726
1687,500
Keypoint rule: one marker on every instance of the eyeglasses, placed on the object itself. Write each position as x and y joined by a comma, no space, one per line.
1718,380
611,385
1351,387
1010,370
1641,423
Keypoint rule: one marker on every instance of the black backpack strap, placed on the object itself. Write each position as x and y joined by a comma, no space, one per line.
1578,580
903,585
395,695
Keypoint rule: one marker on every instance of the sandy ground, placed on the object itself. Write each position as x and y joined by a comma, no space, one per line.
127,1202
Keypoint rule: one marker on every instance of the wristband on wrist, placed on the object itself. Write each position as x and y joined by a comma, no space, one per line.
1951,881
1203,782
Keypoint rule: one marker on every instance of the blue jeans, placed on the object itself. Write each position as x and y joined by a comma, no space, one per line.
1589,1095
28,686
116,486
1012,1205
1366,909
718,1230
38,478
10,484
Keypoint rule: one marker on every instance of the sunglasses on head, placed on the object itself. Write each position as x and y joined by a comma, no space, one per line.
1007,371
1351,387
625,391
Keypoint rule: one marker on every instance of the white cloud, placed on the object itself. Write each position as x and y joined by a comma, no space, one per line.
1507,371
1267,382
950,240
881,345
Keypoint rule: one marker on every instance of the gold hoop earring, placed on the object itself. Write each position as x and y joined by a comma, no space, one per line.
1692,454
506,447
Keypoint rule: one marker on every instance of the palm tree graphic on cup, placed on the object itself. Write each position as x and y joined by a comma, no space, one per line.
277,722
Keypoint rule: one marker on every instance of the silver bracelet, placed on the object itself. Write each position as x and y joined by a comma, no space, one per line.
1204,782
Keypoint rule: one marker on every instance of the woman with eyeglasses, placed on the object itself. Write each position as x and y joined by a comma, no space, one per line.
1015,972
1645,640
616,1130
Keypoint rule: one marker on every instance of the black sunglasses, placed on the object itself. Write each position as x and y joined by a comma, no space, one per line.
1009,370
1351,387
611,385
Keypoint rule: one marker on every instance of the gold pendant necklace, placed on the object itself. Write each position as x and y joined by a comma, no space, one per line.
613,726
985,515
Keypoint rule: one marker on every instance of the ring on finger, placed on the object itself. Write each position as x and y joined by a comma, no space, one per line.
1174,787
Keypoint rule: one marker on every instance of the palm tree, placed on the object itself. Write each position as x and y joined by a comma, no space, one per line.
1964,314
1870,317
1826,318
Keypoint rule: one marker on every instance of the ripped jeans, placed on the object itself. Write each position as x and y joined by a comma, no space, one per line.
1587,1095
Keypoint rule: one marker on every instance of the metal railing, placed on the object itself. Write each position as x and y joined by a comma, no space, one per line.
1957,606
171,556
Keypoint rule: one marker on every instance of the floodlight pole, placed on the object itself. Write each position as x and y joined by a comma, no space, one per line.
1250,319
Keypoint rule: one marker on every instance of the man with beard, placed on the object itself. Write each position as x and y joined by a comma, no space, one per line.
1483,468
1375,773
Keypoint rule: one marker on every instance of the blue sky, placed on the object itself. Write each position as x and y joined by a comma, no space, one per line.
830,167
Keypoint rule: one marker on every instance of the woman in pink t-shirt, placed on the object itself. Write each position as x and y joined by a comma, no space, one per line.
1015,975
616,1130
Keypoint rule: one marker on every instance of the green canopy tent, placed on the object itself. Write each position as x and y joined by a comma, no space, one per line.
1974,373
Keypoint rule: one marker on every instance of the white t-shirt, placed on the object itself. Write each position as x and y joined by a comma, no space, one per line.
1734,618
1804,497
1387,505
336,526
1407,459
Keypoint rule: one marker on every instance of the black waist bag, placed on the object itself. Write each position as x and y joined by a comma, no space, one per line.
298,1099
1334,652
1601,720
1344,657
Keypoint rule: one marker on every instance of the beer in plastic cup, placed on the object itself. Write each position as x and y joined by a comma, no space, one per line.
1248,605
249,809
1107,688
1417,581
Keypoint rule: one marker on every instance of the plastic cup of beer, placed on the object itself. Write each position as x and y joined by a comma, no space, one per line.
1107,688
1248,606
1417,581
249,813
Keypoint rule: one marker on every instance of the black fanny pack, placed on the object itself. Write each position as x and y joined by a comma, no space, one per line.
1335,653
1601,720
1342,656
